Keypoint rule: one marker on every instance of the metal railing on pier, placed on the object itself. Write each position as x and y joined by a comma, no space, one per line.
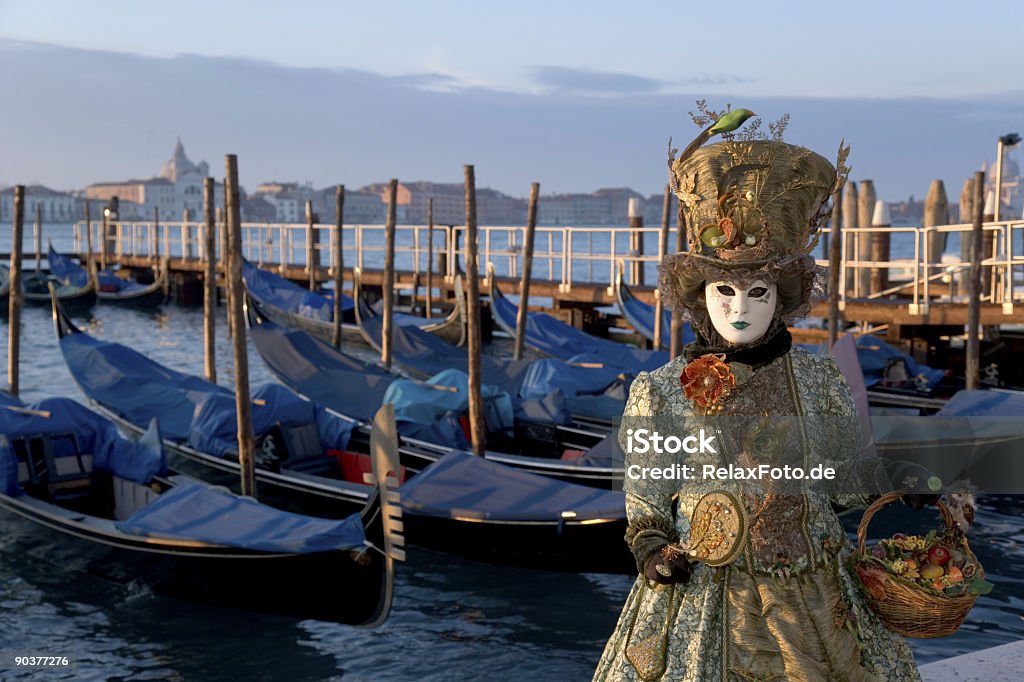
588,256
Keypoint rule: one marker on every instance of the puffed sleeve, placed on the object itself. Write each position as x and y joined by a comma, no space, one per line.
648,501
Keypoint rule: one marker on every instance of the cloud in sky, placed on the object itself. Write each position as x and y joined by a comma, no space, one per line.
586,81
86,116
579,81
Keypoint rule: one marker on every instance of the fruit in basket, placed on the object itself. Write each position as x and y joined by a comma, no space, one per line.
873,579
938,555
954,575
931,572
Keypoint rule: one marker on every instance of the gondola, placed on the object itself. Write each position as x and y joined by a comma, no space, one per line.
84,498
554,338
77,292
539,522
324,375
196,418
119,291
109,287
291,305
641,315
594,394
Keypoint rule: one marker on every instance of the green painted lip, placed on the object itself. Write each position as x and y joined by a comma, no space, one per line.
740,325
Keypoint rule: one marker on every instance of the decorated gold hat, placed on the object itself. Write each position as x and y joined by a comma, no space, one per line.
753,210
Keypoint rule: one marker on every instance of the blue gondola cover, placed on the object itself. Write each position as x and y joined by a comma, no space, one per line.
465,486
984,403
283,294
94,435
560,340
875,354
195,511
189,409
66,270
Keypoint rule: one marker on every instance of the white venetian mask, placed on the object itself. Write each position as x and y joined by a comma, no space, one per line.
741,314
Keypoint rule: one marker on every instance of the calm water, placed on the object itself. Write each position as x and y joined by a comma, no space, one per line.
452,619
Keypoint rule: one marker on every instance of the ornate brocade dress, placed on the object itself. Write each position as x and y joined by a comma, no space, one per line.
786,608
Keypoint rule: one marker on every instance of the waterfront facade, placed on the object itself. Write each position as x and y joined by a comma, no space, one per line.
57,207
178,188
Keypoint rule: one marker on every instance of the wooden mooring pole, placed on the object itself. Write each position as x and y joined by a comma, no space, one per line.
851,240
880,248
988,243
104,240
636,242
88,239
936,212
476,405
388,288
974,286
225,256
14,298
966,249
154,238
524,280
430,258
186,234
210,282
37,233
243,405
676,341
311,241
339,262
865,211
835,253
666,206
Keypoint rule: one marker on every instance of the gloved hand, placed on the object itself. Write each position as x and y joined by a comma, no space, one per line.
673,563
919,501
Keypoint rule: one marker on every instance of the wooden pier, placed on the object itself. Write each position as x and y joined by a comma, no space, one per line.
922,306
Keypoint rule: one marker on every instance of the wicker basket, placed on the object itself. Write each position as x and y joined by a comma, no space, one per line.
907,608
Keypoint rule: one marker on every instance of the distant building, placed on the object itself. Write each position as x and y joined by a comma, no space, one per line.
495,208
57,207
652,209
449,202
909,212
361,206
179,187
258,210
289,200
618,204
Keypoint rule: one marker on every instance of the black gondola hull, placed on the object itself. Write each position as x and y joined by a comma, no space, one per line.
147,299
330,586
576,547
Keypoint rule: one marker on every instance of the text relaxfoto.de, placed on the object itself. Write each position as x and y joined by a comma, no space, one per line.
643,441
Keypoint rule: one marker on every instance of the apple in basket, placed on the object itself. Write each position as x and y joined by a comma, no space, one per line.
938,555
931,572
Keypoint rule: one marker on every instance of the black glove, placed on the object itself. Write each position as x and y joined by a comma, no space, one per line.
919,501
672,562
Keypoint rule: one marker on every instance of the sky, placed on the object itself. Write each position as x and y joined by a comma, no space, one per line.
575,95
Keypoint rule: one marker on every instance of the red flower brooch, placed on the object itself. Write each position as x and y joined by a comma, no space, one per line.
707,381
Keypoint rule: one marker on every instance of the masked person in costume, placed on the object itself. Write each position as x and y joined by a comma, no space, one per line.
739,582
